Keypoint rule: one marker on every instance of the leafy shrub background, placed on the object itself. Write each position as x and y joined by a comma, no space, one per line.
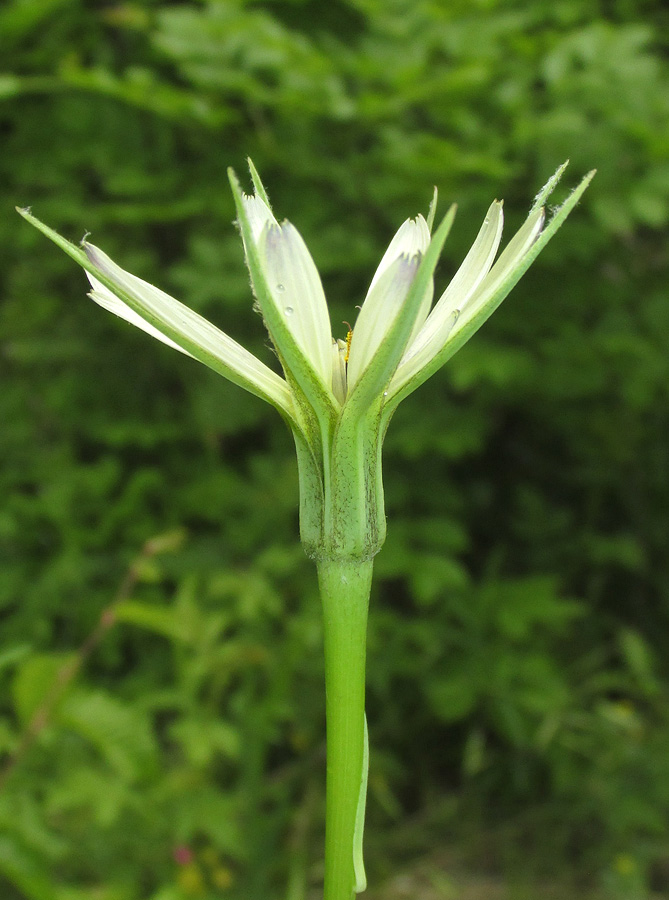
518,679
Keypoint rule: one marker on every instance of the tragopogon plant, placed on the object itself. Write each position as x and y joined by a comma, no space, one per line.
337,397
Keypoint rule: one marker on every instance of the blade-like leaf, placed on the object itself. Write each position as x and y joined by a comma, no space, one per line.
358,858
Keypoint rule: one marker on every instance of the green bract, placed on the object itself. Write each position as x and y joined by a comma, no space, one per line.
336,396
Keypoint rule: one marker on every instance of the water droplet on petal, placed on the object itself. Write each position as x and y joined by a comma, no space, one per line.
280,288
289,310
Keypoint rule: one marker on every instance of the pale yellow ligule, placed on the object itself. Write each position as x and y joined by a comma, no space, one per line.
178,326
109,301
296,290
435,331
509,259
387,293
411,237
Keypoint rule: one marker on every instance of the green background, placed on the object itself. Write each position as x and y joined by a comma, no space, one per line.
518,674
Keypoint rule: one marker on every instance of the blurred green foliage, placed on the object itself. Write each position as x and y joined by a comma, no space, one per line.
518,669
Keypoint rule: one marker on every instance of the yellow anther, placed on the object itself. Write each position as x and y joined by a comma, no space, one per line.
349,338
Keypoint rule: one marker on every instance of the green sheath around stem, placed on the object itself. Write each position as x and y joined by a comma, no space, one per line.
345,587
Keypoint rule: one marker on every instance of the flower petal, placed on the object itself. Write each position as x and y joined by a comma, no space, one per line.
308,370
378,313
520,253
406,282
176,324
296,290
259,215
104,298
510,258
439,324
386,294
162,316
412,237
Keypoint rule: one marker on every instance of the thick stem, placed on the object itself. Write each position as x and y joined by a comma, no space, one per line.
345,586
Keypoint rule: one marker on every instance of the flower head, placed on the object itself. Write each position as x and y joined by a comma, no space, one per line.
337,396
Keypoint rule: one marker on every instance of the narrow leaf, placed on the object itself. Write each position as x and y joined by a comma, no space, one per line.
358,861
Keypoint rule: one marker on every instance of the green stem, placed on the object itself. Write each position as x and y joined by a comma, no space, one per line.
345,587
